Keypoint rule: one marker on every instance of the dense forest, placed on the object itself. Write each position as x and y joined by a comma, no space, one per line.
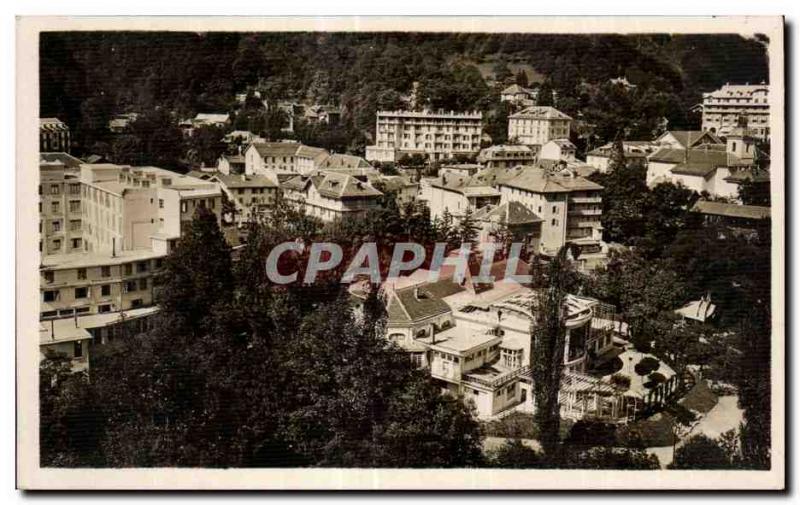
87,77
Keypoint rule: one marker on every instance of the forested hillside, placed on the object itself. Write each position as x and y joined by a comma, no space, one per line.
86,77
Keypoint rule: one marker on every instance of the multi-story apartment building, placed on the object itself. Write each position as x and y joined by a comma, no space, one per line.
456,194
723,108
60,220
437,135
53,135
252,195
280,160
331,195
535,126
570,207
502,156
636,153
80,284
129,208
519,95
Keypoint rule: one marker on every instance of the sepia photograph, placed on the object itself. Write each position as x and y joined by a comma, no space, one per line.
400,253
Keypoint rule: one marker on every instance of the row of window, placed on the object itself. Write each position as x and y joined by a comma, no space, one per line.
105,270
55,189
83,292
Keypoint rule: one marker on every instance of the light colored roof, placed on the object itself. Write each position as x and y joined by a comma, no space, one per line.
333,185
540,112
279,149
537,180
245,181
691,138
698,161
509,213
92,259
516,88
65,330
52,124
460,339
698,310
731,210
336,160
212,117
65,159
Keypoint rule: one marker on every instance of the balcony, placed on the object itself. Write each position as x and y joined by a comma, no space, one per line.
497,381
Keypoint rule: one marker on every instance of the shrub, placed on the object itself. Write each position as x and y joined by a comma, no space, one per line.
700,453
515,454
654,431
620,381
647,365
700,398
654,380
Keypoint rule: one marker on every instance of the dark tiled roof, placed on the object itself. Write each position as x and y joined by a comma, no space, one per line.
510,213
333,185
415,303
536,180
731,210
245,181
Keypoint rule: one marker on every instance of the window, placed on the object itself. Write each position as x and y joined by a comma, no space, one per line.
78,351
56,226
49,276
57,244
137,303
75,225
81,273
51,296
142,284
74,189
130,286
54,189
105,290
76,243
104,308
184,207
105,271
75,206
141,267
55,207
81,293
128,269
160,203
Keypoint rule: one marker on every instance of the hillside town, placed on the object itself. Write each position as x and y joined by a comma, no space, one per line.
614,282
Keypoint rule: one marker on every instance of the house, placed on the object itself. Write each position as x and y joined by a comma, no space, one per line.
701,310
240,138
511,221
346,163
280,160
744,217
723,109
686,139
716,169
519,95
570,207
636,153
456,194
231,164
462,169
330,195
65,339
54,135
121,122
474,340
558,149
535,126
211,119
253,196
506,155
403,187
436,135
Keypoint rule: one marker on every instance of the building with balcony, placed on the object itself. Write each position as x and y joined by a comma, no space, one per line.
506,156
253,196
536,126
54,135
330,195
519,95
81,284
474,339
570,207
723,108
436,135
456,194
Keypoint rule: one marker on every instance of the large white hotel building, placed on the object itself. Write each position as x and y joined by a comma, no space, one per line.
723,108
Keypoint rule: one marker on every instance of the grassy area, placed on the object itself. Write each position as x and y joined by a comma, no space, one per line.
700,398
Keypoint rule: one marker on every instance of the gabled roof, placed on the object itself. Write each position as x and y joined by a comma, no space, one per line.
516,88
333,185
731,210
279,149
509,213
52,124
540,112
691,138
696,162
244,181
537,180
212,117
65,159
414,303
336,160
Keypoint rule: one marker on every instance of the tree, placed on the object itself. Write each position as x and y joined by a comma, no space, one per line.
206,146
547,348
522,78
700,453
196,276
755,193
467,229
515,454
545,94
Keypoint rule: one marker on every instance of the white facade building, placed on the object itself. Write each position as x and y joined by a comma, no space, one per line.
723,108
437,135
535,126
